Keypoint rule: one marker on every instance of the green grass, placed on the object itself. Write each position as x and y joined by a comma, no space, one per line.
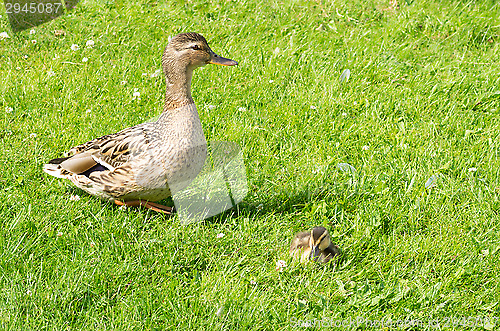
423,95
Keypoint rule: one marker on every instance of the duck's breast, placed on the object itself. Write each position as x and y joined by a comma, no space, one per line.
179,152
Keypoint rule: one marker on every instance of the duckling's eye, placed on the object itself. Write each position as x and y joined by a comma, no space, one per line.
196,47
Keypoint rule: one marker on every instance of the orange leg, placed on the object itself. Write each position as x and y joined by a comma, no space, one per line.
146,204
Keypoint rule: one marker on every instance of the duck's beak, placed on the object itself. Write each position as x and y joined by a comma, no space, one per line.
216,59
314,253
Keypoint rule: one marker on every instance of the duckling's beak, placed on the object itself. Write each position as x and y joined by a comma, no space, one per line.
216,59
314,253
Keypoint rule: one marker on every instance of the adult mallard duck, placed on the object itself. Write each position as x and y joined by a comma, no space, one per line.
150,161
314,245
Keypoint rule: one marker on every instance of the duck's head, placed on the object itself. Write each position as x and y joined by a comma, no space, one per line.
318,241
188,51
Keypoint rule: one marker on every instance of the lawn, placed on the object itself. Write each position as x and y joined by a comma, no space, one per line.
418,220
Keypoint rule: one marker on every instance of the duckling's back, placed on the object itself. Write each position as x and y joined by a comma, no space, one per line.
299,248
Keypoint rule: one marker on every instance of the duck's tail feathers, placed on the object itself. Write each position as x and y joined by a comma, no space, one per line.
56,170
59,160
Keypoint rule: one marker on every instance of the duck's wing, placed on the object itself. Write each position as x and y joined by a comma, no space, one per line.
104,153
329,253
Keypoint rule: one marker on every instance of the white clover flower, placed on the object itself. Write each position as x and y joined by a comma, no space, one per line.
136,94
33,41
242,109
271,81
313,107
32,31
365,147
90,43
25,57
75,47
123,82
280,265
4,35
472,169
344,114
85,59
59,234
33,135
220,235
253,282
9,110
18,68
74,197
156,73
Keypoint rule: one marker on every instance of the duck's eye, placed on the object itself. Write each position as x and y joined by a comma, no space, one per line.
196,47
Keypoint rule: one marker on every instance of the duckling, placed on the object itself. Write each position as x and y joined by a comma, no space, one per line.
150,161
314,245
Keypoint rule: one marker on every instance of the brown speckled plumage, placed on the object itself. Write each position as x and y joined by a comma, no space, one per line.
149,161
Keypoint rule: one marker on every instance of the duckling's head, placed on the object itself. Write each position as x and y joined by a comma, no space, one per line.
318,241
188,51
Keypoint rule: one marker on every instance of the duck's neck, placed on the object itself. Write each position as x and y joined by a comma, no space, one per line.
178,92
